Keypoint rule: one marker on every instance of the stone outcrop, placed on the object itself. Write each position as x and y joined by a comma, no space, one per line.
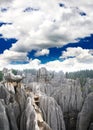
4,123
52,113
47,102
44,88
4,94
69,97
43,75
85,117
10,77
12,116
70,100
87,88
28,118
29,109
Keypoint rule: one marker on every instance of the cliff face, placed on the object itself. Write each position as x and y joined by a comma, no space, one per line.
4,123
25,110
48,104
85,117
70,100
52,113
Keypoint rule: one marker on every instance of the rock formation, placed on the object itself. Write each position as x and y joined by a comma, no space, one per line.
85,117
69,97
46,102
28,118
43,75
52,113
88,87
10,77
11,81
4,123
39,87
29,108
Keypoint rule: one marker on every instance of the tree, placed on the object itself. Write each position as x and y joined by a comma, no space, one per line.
14,72
1,76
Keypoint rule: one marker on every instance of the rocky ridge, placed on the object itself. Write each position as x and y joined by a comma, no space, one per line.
44,105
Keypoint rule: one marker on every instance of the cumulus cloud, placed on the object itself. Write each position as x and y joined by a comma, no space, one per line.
11,56
33,64
73,52
46,27
42,52
81,55
75,59
68,65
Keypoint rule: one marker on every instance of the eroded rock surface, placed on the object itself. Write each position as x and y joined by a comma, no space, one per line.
4,123
85,117
44,88
28,118
52,113
49,102
23,111
70,100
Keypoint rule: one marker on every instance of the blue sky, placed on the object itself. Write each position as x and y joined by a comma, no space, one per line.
56,34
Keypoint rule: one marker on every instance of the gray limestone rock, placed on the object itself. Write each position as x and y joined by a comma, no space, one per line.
85,117
58,100
52,113
16,110
21,98
4,123
88,87
44,88
28,118
70,100
11,117
43,75
10,77
4,94
69,97
91,126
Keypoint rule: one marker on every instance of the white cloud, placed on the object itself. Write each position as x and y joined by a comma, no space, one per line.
68,65
81,55
81,59
33,64
71,52
11,56
50,26
75,59
42,52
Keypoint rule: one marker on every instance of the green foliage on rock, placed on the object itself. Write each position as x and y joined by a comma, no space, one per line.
14,72
1,76
80,75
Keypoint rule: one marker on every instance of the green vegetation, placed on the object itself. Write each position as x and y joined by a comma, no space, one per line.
80,74
1,76
91,89
14,72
